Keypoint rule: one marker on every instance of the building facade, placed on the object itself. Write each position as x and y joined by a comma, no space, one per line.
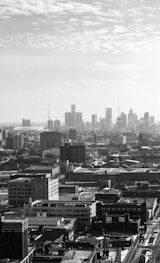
13,238
136,210
83,211
20,190
50,140
18,141
108,119
73,153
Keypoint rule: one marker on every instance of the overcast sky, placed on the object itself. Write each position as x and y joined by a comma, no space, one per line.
83,52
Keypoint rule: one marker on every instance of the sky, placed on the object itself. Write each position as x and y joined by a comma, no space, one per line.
90,53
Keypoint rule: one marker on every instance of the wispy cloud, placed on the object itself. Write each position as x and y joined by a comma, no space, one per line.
85,26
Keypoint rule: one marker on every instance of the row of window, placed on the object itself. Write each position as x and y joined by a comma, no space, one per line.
123,209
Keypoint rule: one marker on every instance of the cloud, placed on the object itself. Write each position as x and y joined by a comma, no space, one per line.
81,26
103,66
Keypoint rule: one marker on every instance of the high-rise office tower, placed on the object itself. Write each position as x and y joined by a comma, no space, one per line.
72,134
152,121
50,125
73,115
94,120
57,125
18,141
132,120
67,119
146,117
79,120
26,123
108,119
122,122
146,121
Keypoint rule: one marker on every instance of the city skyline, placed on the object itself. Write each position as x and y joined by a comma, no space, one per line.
130,117
78,52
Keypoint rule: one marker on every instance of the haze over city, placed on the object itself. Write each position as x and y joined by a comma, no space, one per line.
87,53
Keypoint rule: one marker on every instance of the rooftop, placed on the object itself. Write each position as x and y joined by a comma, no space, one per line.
110,171
13,220
21,180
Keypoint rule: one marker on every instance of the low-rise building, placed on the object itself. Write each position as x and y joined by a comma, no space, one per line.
114,223
108,195
136,209
83,211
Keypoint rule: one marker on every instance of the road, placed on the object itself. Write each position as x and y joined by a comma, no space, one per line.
152,228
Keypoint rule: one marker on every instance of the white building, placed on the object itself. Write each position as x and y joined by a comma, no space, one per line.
83,211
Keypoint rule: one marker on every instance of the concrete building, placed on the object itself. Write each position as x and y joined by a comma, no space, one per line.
13,238
50,140
18,141
20,190
83,211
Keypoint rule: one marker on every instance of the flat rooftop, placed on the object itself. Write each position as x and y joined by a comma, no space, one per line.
21,180
113,171
13,220
76,256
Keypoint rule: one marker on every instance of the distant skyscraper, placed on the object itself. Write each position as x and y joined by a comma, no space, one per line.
67,119
50,125
108,119
73,115
18,141
152,121
146,121
26,123
79,120
72,134
94,120
132,120
146,117
57,125
122,122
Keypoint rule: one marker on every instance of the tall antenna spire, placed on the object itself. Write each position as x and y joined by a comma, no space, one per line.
118,107
48,111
